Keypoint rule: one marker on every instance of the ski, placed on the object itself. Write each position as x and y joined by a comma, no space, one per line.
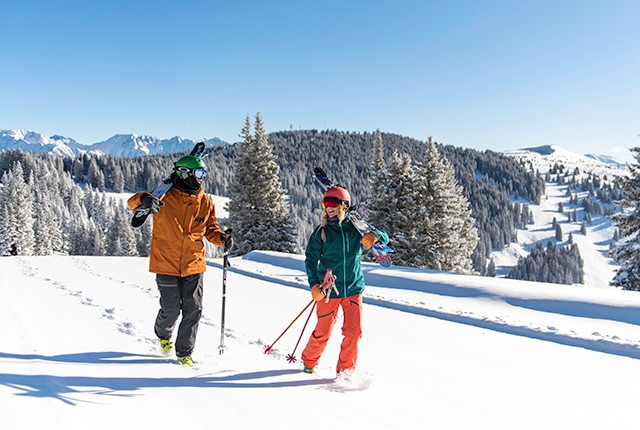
380,250
141,214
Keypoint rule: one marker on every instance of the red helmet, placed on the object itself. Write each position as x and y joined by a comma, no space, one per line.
337,193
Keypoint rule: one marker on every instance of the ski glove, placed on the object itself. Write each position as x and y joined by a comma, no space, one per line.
227,239
151,203
317,293
369,239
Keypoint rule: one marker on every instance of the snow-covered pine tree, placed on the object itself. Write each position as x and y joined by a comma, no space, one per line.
375,212
19,214
627,251
258,211
448,229
558,232
491,268
398,211
5,245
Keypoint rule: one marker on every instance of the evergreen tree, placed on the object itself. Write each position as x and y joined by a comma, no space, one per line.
375,211
258,212
491,268
627,251
449,229
19,214
558,234
398,215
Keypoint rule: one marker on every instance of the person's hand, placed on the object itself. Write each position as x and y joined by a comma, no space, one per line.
317,293
227,239
149,202
369,239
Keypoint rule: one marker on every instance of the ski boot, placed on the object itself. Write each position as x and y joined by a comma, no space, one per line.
165,345
186,360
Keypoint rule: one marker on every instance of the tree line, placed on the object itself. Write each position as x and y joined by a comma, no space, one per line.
484,184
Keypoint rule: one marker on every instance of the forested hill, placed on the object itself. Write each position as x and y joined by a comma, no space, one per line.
488,178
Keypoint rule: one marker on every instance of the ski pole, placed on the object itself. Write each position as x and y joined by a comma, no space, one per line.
268,349
291,358
225,266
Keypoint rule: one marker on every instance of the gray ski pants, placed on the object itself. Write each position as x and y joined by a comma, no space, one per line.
179,295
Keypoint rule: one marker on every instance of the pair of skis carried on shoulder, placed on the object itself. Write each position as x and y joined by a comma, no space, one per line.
380,250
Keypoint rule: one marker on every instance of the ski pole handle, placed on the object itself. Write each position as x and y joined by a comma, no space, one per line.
328,284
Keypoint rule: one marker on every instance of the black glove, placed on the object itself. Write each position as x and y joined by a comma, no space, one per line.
151,203
227,239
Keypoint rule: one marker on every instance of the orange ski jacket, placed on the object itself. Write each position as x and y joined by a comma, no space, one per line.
177,246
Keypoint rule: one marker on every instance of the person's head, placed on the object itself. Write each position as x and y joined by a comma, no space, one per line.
190,172
335,202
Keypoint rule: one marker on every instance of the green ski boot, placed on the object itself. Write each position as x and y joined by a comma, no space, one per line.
186,360
165,345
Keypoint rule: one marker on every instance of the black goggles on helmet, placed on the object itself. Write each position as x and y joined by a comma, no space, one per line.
198,172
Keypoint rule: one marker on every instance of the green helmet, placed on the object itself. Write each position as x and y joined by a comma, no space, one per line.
190,162
190,165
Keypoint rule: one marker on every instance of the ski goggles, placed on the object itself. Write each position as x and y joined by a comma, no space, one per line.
331,202
198,172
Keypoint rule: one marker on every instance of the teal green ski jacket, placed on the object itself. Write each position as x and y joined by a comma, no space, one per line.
340,253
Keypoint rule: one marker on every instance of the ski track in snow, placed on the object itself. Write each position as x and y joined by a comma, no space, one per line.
598,340
107,311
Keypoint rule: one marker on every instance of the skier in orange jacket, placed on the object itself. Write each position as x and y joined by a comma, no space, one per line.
181,220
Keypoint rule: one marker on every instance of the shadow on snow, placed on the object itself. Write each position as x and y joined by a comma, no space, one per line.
63,387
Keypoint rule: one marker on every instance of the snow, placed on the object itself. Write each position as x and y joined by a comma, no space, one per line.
599,267
440,350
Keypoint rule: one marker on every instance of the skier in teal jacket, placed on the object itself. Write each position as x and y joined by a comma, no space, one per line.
336,244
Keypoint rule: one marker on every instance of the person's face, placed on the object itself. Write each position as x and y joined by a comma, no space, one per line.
332,211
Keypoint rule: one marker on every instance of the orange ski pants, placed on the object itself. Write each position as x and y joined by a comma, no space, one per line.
351,331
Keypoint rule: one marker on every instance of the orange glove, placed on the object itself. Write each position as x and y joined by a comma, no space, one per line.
369,239
317,293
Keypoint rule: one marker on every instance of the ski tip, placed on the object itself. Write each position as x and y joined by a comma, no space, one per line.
198,149
137,221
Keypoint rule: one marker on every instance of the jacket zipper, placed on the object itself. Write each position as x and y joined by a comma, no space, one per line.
184,238
344,260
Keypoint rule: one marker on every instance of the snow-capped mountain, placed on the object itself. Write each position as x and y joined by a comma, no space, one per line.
131,145
26,140
544,157
120,145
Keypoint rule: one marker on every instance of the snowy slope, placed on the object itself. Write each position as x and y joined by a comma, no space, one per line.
439,351
599,267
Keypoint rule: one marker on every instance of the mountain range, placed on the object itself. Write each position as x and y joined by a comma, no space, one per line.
120,145
132,145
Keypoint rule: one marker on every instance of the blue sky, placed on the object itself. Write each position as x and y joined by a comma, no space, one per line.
478,74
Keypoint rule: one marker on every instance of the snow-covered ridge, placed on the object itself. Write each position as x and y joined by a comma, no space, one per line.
544,157
120,145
